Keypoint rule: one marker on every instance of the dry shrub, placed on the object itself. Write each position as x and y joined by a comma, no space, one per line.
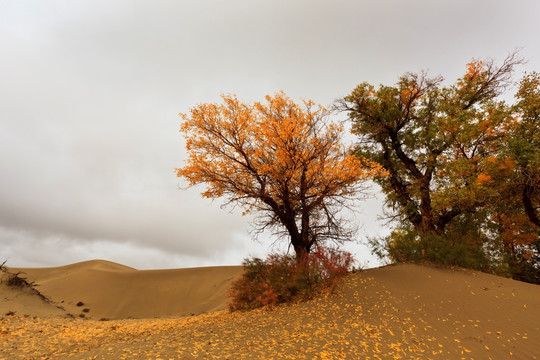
11,279
17,280
281,279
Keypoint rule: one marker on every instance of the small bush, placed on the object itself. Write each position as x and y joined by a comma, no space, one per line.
281,279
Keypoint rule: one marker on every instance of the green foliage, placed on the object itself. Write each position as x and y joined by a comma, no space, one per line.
282,278
458,248
432,139
523,263
520,264
514,221
464,179
462,245
523,145
518,261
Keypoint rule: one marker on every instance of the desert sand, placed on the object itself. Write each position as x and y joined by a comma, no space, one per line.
113,291
403,311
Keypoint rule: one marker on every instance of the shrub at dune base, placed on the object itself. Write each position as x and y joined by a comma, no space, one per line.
281,278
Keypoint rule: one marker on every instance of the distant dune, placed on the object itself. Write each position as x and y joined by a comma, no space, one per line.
404,311
113,291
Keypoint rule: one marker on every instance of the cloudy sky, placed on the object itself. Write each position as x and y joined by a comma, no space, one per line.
90,93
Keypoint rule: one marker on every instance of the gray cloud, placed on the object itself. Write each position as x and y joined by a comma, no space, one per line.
90,91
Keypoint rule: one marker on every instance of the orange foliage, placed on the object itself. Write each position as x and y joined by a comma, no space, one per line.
281,279
257,149
476,74
474,68
515,229
484,179
278,157
411,93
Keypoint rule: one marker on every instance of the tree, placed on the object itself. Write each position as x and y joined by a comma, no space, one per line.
439,145
432,139
523,146
514,175
284,161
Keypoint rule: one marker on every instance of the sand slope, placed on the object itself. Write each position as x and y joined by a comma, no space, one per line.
397,312
113,291
452,313
22,302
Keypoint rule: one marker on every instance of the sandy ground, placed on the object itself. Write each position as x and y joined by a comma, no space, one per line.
108,290
397,312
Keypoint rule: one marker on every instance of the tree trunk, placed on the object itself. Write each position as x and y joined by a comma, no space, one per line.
428,224
526,195
300,243
301,254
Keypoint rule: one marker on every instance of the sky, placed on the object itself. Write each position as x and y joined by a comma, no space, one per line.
90,92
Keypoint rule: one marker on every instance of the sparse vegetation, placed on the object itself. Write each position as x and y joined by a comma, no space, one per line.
14,279
17,280
281,278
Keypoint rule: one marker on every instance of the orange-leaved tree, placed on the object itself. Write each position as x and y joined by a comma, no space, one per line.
285,162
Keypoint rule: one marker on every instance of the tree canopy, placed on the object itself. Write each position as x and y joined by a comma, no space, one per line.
283,161
457,156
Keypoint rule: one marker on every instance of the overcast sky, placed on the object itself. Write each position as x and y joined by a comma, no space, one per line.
90,93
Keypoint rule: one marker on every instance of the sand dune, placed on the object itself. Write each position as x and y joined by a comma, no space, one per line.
397,312
113,291
23,301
